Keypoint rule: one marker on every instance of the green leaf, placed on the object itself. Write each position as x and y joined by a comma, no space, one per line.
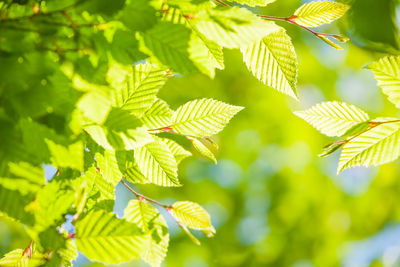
158,115
154,226
66,157
203,149
378,145
157,163
273,61
202,117
51,204
333,118
95,106
234,27
25,178
20,259
134,175
206,54
140,93
138,15
178,151
115,140
13,203
317,13
253,2
168,44
69,253
387,73
103,237
192,215
107,162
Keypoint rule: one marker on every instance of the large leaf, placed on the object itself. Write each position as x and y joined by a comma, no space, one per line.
202,117
157,163
103,237
168,44
317,13
234,27
139,94
333,118
273,61
155,228
387,73
376,146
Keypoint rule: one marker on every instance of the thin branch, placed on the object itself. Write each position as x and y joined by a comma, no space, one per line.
142,196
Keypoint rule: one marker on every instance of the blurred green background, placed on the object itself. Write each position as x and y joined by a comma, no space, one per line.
271,199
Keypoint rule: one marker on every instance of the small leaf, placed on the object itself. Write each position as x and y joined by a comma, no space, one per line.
317,13
203,149
202,117
329,42
333,118
192,215
329,149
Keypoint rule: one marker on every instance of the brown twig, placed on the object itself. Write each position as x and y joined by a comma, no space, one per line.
142,196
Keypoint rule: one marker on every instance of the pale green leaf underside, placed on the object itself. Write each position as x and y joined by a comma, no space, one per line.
103,237
387,73
153,224
234,27
333,118
317,13
192,215
202,117
273,61
157,163
203,150
376,146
